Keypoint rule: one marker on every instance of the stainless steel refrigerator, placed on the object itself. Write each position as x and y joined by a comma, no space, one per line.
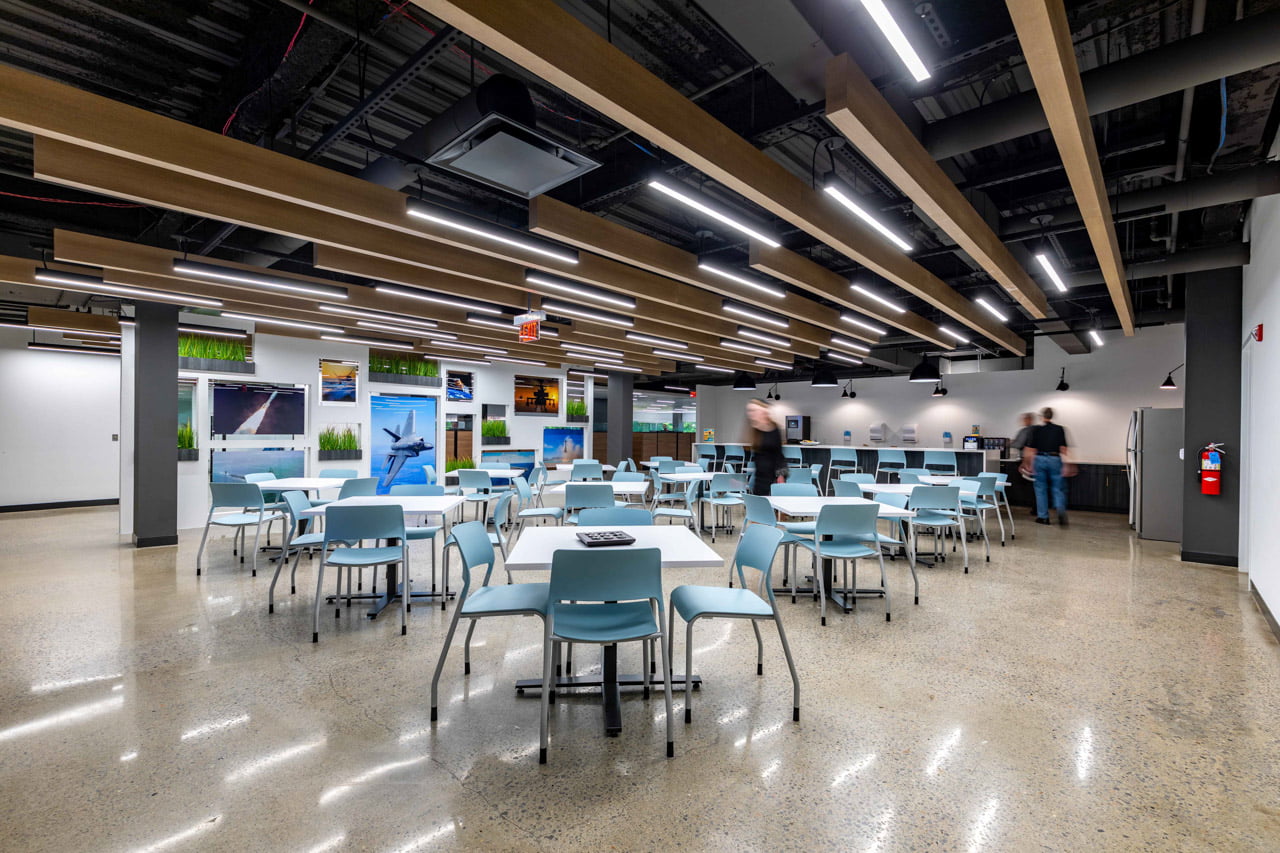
1154,456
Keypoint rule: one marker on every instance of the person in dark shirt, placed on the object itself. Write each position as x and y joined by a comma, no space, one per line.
1045,456
766,446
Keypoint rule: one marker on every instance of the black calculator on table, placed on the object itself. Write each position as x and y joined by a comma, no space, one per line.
604,538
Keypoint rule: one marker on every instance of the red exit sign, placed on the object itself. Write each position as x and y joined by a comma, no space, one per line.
530,331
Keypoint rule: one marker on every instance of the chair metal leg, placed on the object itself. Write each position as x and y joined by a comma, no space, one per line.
257,531
203,538
822,593
884,584
545,700
315,623
406,590
444,653
466,647
688,670
755,626
666,687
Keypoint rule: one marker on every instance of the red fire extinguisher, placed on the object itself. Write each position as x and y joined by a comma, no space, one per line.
1211,469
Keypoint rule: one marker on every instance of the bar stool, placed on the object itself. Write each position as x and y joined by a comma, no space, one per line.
844,460
890,460
941,461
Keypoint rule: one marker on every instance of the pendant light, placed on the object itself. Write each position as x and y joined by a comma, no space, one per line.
744,382
824,377
1062,381
1168,384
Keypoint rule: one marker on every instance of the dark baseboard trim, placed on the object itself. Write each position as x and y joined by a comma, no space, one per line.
154,541
1266,611
59,505
1211,559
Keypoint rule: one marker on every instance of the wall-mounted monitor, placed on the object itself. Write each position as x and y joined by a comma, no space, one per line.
241,409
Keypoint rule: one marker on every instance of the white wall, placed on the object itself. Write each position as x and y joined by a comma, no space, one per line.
1260,402
58,412
1106,386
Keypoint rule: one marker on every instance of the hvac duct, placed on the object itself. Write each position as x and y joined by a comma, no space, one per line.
1234,48
1221,257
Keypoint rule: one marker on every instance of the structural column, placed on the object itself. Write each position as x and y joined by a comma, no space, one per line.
1211,523
155,425
618,438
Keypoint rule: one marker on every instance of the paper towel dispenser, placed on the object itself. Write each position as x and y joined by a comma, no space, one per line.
909,433
878,431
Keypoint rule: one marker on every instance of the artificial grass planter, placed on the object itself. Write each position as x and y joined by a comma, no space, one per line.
494,432
460,462
187,450
335,443
404,369
575,412
213,353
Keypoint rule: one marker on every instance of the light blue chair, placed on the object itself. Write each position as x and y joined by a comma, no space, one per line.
724,493
630,477
901,502
627,464
301,538
271,500
622,605
844,460
1002,497
477,489
586,469
937,507
842,533
664,492
580,496
811,474
734,455
344,528
658,460
668,510
496,518
849,488
940,461
890,460
429,471
252,512
537,482
756,549
481,601
337,474
527,510
909,478
975,508
794,455
360,487
615,516
758,510
706,453
424,532
796,530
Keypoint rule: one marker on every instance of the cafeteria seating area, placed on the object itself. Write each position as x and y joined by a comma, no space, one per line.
639,425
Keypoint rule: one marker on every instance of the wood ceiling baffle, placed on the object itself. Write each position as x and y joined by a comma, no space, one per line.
1045,36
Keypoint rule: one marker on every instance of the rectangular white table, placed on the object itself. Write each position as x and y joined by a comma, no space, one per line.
902,489
941,479
441,505
494,473
302,484
625,487
568,466
680,549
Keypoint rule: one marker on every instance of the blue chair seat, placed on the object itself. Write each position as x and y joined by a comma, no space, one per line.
592,623
364,556
933,518
413,533
803,528
541,512
841,548
727,501
320,501
236,519
511,598
671,512
975,503
306,540
694,601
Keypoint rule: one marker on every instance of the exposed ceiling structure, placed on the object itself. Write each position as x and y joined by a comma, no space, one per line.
294,136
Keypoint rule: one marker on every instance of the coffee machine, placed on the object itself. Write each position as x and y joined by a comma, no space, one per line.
797,428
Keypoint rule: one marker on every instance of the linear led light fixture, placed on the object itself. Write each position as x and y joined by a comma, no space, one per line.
517,360
950,332
992,309
871,294
863,324
848,359
606,360
73,349
650,339
73,332
477,348
752,314
584,348
425,296
387,327
453,360
848,343
439,217
764,362
379,316
271,282
897,39
689,201
716,369
554,307
439,336
765,337
587,374
481,320
211,330
741,347
681,356
76,281
835,188
1096,336
1047,266
595,294
369,342
714,269
607,367
276,321
676,388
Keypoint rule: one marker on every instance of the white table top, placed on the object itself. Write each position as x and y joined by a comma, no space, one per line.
568,466
797,505
901,488
681,548
413,504
494,473
688,478
619,488
941,479
302,484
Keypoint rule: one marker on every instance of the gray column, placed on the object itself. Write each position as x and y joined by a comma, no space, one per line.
618,439
1210,523
155,425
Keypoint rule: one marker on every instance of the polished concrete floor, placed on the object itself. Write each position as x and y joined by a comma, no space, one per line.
1082,691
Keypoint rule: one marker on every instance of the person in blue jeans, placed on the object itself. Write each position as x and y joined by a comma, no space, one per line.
1045,458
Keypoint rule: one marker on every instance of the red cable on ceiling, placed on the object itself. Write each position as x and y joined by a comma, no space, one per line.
69,201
